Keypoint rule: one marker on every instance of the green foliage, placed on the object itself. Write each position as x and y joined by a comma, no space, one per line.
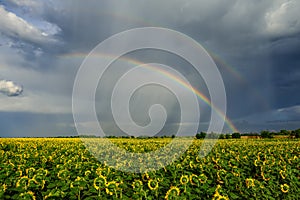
296,133
266,134
222,136
236,169
236,135
227,136
201,135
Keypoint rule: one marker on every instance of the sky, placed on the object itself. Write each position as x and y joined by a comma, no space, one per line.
255,45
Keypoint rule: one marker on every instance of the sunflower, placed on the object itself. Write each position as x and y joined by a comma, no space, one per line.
145,177
178,166
220,173
250,182
194,179
255,162
263,176
172,193
28,195
220,197
217,194
87,173
99,182
23,182
41,172
19,173
153,184
103,171
284,188
111,187
198,159
191,164
202,178
184,179
63,174
4,187
282,173
137,185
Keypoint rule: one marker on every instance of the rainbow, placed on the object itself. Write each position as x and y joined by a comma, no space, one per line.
166,74
221,63
142,22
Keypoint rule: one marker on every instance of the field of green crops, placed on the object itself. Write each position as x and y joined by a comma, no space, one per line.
234,169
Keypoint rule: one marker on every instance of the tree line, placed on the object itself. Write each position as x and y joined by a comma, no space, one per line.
262,134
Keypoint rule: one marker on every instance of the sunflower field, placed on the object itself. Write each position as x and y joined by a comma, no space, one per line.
57,168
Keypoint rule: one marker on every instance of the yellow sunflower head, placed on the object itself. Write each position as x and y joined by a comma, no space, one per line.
194,179
145,177
282,174
284,188
4,187
99,182
250,182
184,179
202,178
137,185
30,172
191,164
28,195
172,193
23,182
198,159
63,174
221,197
111,187
87,173
153,184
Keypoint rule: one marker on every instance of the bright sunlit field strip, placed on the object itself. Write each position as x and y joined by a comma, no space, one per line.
234,169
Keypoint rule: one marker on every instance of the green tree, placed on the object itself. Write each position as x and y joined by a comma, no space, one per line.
201,135
227,136
236,135
266,134
284,132
296,133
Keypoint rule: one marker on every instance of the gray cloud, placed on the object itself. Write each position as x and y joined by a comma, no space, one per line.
10,88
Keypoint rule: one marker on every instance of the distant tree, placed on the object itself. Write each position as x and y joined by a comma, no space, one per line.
227,136
173,136
236,135
296,133
201,135
222,136
266,134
